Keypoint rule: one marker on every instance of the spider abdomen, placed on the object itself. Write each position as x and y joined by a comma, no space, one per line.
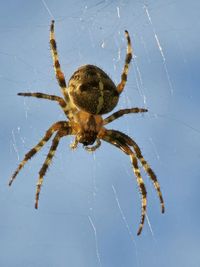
91,90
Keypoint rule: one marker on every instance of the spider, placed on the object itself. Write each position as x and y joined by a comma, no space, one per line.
90,93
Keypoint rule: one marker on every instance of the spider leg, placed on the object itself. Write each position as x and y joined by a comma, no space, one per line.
74,145
62,132
58,99
129,141
93,148
55,127
145,165
114,138
59,74
121,85
122,112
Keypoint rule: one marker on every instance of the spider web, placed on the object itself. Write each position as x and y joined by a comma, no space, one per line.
89,208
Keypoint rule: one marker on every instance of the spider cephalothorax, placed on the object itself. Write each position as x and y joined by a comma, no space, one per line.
87,127
89,94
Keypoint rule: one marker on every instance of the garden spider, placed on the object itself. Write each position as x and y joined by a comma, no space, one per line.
90,94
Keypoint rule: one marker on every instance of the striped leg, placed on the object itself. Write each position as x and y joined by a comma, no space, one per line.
48,161
59,74
145,165
115,139
121,85
55,127
58,99
122,112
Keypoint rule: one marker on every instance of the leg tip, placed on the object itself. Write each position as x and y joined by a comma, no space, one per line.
163,209
52,26
139,231
127,36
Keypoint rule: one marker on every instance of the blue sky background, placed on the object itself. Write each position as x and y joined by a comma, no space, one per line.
89,207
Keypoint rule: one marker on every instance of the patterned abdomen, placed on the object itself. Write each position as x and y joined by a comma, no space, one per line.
91,90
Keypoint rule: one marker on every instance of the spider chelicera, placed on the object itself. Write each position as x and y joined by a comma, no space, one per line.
90,93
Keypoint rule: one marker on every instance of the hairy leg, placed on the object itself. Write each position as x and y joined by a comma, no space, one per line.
59,74
62,132
121,85
113,138
55,127
122,112
58,99
145,165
